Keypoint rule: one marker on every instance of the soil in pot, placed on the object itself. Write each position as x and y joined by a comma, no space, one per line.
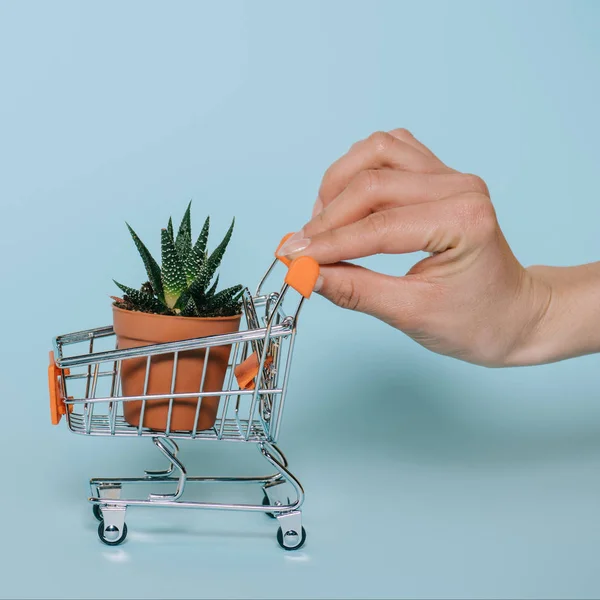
134,329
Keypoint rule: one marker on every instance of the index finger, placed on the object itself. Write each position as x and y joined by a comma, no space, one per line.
376,190
379,150
407,137
429,227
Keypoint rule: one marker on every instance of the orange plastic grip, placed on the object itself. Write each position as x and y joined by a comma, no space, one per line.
246,371
286,261
303,271
57,403
303,274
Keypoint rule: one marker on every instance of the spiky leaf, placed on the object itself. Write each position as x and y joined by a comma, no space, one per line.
213,289
228,310
183,243
152,268
214,260
170,228
182,300
190,309
197,293
141,300
195,259
196,289
233,306
147,288
173,275
224,297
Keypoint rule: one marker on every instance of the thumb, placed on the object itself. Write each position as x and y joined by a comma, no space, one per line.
391,299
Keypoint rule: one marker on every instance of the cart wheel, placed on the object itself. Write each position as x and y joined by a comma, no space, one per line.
267,502
293,536
112,537
97,512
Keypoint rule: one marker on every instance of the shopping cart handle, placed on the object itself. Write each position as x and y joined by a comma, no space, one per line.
58,408
303,271
286,261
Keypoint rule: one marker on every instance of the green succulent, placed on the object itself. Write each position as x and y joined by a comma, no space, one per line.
182,284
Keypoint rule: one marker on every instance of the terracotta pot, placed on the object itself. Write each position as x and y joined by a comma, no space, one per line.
134,329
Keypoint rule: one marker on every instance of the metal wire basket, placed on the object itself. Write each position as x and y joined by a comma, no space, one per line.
85,381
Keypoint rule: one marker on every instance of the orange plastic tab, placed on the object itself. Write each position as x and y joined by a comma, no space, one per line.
303,274
57,401
286,261
246,371
303,271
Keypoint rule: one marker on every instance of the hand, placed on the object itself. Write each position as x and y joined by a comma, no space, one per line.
471,298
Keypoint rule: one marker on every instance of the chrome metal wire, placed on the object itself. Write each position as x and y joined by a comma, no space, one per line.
91,377
97,407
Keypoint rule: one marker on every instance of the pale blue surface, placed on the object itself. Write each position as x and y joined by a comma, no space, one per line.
425,477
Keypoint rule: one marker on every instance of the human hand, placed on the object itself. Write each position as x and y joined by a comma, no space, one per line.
470,299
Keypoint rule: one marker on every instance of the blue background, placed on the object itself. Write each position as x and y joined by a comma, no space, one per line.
425,477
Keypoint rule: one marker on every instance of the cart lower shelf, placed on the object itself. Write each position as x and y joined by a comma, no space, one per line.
109,506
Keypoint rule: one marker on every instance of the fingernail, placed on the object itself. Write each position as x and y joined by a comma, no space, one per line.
318,207
319,283
296,243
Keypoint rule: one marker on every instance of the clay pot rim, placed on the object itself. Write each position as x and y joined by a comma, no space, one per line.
174,317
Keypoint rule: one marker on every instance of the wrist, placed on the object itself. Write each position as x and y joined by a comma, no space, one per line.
562,305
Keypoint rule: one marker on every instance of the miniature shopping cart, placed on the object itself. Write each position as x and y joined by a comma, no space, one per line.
85,388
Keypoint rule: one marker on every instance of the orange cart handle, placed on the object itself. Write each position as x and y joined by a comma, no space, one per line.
303,271
58,408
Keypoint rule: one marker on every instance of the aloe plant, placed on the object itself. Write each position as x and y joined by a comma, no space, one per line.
181,285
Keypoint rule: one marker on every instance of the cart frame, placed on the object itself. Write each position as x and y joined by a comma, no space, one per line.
249,411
